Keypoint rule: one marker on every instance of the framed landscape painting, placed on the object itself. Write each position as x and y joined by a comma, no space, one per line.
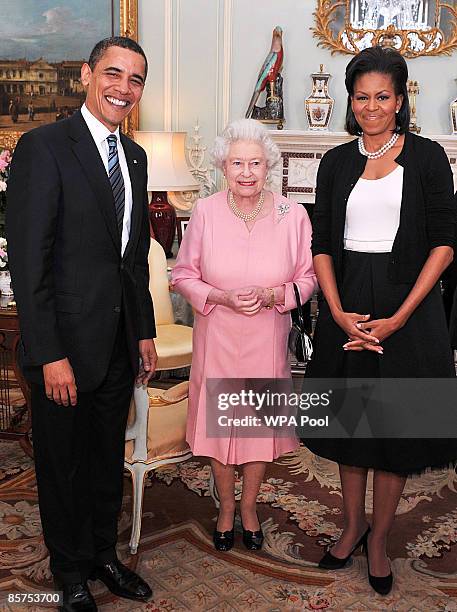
43,45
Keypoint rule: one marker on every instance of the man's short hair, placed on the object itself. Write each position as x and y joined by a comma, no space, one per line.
116,41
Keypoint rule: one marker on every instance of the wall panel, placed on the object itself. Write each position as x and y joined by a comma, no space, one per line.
217,47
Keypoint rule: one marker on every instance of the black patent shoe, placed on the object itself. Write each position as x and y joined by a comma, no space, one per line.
330,562
76,597
121,581
253,540
381,584
224,540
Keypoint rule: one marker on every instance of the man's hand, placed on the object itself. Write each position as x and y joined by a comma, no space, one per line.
59,382
148,361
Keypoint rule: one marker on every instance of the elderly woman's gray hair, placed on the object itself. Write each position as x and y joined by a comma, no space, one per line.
244,129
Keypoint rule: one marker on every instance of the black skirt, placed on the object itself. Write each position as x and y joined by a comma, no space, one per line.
420,349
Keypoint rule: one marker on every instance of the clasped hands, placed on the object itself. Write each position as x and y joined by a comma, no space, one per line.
248,300
363,334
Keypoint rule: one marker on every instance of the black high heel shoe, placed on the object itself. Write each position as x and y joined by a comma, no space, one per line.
224,540
381,584
330,562
253,540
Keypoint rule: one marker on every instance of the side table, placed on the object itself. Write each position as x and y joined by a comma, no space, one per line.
15,414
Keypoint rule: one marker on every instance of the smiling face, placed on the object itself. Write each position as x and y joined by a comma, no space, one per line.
246,168
374,103
114,86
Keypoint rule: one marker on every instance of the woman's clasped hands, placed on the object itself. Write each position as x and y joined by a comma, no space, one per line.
248,300
363,334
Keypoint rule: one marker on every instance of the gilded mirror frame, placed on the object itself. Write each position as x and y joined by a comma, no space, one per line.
128,15
409,42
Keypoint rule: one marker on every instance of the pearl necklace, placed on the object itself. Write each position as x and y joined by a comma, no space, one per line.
380,152
246,216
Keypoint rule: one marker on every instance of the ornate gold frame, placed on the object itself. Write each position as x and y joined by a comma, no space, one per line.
128,27
399,39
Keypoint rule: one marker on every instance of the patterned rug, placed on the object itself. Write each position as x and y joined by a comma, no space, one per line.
300,510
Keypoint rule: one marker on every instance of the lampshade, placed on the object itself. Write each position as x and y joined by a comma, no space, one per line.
167,165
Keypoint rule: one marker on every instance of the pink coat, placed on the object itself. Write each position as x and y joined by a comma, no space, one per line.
219,251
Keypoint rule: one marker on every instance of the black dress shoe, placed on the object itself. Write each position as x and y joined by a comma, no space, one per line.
121,581
76,597
224,540
381,584
253,540
330,562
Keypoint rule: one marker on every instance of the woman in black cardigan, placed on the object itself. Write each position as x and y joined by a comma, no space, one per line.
383,232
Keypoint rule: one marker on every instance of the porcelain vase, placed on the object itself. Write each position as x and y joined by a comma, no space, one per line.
319,105
5,283
453,109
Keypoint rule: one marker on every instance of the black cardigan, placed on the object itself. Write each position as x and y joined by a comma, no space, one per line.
428,212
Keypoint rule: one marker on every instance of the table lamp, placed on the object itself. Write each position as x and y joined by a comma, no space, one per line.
167,171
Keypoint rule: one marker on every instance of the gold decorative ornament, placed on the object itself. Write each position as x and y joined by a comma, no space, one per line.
128,27
412,27
8,140
413,91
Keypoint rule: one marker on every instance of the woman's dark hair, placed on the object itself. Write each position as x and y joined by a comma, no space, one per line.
385,61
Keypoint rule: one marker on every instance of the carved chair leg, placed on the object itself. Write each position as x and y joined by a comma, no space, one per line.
138,472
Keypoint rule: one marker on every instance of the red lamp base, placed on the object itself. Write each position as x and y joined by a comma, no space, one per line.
162,216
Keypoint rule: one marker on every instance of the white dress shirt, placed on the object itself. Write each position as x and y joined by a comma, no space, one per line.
100,133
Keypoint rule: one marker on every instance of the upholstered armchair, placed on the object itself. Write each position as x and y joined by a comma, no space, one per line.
173,342
155,436
156,429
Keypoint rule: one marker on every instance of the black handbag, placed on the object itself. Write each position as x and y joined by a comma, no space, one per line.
300,344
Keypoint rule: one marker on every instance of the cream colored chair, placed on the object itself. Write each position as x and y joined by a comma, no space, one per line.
155,436
173,342
156,429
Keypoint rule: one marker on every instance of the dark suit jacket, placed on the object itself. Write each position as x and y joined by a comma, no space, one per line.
69,279
428,212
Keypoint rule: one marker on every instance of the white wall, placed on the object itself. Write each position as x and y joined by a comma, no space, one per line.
205,56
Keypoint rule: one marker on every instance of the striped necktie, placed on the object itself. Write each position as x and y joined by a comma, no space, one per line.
116,180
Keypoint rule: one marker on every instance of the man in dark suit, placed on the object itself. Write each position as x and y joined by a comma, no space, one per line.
78,241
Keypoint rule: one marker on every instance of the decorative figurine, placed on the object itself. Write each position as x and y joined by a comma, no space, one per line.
454,115
413,91
270,79
319,105
184,201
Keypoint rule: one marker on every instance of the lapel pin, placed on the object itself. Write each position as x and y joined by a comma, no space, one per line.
134,161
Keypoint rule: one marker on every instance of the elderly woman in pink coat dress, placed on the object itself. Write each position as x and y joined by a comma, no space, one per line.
242,251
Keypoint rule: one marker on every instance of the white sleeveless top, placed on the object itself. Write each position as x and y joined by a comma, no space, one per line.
373,213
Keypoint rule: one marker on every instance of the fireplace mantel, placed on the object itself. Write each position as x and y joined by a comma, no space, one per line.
301,153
